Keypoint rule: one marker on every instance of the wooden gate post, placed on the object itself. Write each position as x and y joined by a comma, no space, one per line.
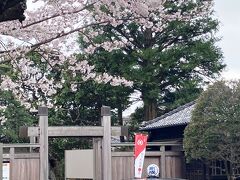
97,149
106,143
43,141
12,157
163,162
1,159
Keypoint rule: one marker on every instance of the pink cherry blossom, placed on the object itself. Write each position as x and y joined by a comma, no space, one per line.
51,31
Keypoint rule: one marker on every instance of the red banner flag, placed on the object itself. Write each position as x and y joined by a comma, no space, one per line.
139,154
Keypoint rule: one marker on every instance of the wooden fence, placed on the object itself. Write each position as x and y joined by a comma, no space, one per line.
23,159
170,162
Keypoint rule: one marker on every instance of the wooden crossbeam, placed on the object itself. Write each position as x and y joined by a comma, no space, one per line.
73,131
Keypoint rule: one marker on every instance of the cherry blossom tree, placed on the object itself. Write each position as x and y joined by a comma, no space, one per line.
44,53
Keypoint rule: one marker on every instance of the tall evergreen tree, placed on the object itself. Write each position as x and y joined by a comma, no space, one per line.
165,65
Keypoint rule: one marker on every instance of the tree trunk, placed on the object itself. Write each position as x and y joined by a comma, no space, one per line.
150,110
149,105
120,117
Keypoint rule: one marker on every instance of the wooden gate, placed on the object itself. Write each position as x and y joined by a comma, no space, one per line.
102,133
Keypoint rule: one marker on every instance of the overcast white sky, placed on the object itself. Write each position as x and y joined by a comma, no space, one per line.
227,11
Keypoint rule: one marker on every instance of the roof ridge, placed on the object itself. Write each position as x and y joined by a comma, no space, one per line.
168,113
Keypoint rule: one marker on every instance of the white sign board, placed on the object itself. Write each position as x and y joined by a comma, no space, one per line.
6,171
79,164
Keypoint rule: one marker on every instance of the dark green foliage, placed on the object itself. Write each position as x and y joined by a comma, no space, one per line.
136,118
14,116
214,130
83,106
12,10
80,108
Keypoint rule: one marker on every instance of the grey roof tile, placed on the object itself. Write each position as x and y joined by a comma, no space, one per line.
178,116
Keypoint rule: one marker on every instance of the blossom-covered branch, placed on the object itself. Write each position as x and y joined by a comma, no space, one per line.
46,45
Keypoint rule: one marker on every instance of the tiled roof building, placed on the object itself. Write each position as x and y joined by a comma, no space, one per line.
169,126
176,117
